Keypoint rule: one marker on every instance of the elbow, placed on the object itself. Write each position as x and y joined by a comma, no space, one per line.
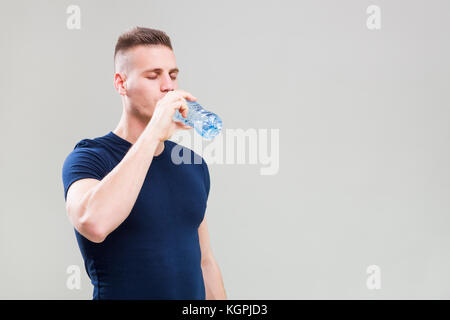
83,222
95,237
91,230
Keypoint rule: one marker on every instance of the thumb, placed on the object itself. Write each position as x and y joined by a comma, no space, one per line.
182,126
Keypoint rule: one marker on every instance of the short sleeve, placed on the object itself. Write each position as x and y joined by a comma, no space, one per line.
82,162
207,179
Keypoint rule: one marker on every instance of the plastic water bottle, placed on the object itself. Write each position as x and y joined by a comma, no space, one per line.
206,123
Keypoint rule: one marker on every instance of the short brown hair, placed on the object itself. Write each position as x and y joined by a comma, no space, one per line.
141,36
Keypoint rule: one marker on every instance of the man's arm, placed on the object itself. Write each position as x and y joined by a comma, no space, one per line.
96,208
212,277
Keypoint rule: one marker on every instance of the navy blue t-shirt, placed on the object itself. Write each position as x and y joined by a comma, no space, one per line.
155,252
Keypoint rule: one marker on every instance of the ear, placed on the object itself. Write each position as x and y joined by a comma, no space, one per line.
120,83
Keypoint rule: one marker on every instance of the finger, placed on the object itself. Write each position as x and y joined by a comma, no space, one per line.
182,126
185,113
186,95
182,107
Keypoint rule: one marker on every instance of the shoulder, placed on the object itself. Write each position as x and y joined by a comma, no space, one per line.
88,150
86,160
88,146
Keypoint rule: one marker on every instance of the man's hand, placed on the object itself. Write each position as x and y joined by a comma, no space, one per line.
161,123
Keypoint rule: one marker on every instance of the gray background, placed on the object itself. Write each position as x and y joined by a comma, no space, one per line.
364,139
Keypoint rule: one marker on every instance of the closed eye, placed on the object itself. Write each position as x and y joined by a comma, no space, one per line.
153,78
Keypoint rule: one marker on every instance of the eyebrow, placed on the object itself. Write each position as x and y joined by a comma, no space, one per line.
159,70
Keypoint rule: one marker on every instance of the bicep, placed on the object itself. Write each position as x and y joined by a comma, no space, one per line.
76,196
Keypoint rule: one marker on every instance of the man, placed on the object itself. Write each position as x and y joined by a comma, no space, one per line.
139,218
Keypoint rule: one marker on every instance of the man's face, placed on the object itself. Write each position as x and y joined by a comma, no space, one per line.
148,72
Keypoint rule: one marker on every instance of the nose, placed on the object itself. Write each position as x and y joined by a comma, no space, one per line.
167,84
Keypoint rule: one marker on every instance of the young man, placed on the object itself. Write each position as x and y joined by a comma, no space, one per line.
139,218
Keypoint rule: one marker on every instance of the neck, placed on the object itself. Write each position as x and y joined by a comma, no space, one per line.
130,129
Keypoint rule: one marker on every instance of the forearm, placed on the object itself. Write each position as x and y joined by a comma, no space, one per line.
212,277
110,202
